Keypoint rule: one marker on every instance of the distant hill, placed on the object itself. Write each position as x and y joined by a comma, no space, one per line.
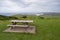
52,14
2,17
30,14
44,13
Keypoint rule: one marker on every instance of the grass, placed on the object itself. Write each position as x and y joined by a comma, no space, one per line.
46,29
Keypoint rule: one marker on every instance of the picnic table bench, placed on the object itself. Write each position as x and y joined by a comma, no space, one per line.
18,25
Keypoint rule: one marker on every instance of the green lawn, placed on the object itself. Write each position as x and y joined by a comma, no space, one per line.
46,29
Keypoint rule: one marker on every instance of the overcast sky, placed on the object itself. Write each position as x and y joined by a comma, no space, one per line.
18,6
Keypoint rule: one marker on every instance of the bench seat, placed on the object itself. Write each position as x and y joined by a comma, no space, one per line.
18,25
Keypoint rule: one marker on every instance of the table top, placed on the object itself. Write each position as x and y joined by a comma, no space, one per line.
21,20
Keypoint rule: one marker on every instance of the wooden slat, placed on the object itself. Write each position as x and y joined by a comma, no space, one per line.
18,25
21,20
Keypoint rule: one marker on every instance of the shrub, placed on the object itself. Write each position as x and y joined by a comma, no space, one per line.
41,17
24,17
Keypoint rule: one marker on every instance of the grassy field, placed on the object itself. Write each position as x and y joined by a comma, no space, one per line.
46,29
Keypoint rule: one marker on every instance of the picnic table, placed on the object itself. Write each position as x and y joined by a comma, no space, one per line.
14,23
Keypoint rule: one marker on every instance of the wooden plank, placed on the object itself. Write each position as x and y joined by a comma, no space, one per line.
18,25
21,20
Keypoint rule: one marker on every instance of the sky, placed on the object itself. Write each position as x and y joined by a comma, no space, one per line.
22,6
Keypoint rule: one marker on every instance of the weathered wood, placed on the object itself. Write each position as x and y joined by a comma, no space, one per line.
18,25
21,30
22,21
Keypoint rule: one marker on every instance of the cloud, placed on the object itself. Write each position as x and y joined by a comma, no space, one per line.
29,6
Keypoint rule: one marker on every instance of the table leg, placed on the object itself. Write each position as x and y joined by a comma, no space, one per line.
14,23
11,27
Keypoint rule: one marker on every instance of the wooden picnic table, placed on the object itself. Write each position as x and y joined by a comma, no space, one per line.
14,23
